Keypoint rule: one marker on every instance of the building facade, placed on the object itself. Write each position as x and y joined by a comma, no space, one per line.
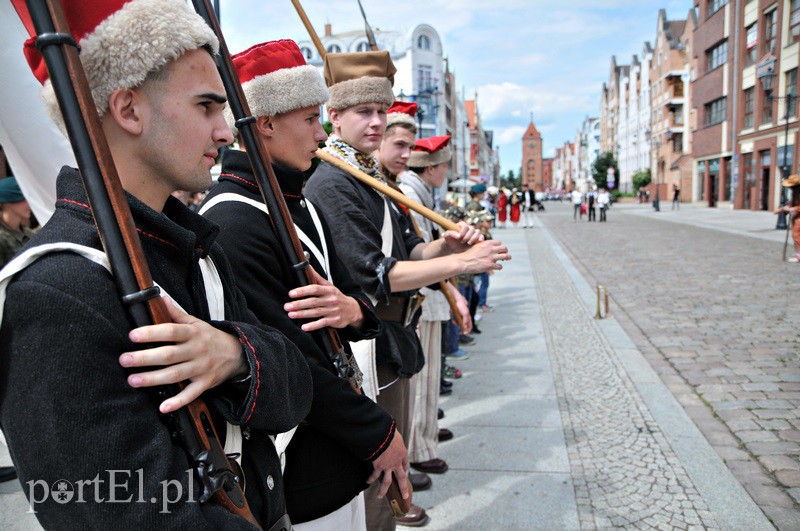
671,161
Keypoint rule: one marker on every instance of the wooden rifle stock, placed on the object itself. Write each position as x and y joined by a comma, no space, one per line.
191,424
387,190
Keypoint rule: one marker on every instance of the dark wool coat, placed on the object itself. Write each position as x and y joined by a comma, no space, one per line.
328,460
65,405
356,212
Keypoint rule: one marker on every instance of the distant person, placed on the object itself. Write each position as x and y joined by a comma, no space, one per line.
15,219
676,197
476,193
577,205
603,201
793,209
528,205
591,199
502,208
515,201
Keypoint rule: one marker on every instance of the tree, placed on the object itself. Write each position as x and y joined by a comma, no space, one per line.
641,179
511,180
600,170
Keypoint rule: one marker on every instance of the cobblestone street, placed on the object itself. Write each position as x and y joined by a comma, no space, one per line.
712,312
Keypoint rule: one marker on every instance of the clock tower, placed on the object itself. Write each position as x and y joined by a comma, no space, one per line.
532,159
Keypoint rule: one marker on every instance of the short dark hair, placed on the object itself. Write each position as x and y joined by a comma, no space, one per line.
409,127
418,171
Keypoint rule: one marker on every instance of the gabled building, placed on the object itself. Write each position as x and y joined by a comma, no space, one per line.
671,162
532,174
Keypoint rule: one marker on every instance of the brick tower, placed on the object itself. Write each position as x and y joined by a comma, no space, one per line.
532,159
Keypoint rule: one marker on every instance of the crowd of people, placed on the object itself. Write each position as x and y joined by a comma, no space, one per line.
321,439
588,203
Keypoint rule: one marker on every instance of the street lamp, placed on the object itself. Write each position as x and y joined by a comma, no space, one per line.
766,76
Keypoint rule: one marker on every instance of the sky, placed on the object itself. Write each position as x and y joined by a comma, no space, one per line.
549,57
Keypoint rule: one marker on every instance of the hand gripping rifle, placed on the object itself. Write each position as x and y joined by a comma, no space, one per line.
280,217
190,425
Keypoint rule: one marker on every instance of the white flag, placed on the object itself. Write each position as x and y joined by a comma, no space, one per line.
35,148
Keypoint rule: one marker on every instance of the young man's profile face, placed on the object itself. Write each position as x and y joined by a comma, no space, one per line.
395,149
435,175
295,137
183,124
362,126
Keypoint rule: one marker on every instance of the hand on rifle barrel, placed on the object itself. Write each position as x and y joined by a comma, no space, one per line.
394,460
323,301
463,308
458,242
198,352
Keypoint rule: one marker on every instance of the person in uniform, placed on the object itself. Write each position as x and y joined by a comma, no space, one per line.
15,220
347,436
793,209
78,405
427,172
388,261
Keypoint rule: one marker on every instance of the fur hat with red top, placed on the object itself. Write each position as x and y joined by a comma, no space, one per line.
402,112
359,77
121,42
276,79
430,152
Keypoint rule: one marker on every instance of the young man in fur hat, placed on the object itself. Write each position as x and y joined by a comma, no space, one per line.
384,257
76,405
347,436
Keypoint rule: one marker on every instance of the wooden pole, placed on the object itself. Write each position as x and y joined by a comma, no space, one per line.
389,191
311,31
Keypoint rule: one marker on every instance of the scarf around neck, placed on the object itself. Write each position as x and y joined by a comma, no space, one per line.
344,151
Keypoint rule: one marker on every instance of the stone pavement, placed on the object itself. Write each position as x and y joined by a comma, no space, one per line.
705,297
559,421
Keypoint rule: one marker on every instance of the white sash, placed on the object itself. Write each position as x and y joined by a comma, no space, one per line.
216,308
320,254
364,350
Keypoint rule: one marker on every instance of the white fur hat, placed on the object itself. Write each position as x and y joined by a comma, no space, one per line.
122,42
402,112
276,79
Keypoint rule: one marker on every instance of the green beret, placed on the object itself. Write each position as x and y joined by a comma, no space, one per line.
9,191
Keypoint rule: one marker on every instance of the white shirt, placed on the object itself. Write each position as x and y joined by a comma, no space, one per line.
603,198
577,197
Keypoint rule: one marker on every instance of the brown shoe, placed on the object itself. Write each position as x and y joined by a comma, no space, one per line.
420,481
415,517
432,466
445,434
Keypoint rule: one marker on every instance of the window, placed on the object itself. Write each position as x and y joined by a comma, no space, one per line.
727,186
794,21
770,29
306,52
424,42
791,90
716,56
677,113
334,48
363,47
425,78
766,109
751,52
715,5
749,108
677,143
747,169
716,111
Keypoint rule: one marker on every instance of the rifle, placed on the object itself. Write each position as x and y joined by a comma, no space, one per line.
191,425
280,217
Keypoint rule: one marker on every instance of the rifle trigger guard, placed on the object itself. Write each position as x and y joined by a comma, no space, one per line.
300,266
244,121
141,296
55,39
